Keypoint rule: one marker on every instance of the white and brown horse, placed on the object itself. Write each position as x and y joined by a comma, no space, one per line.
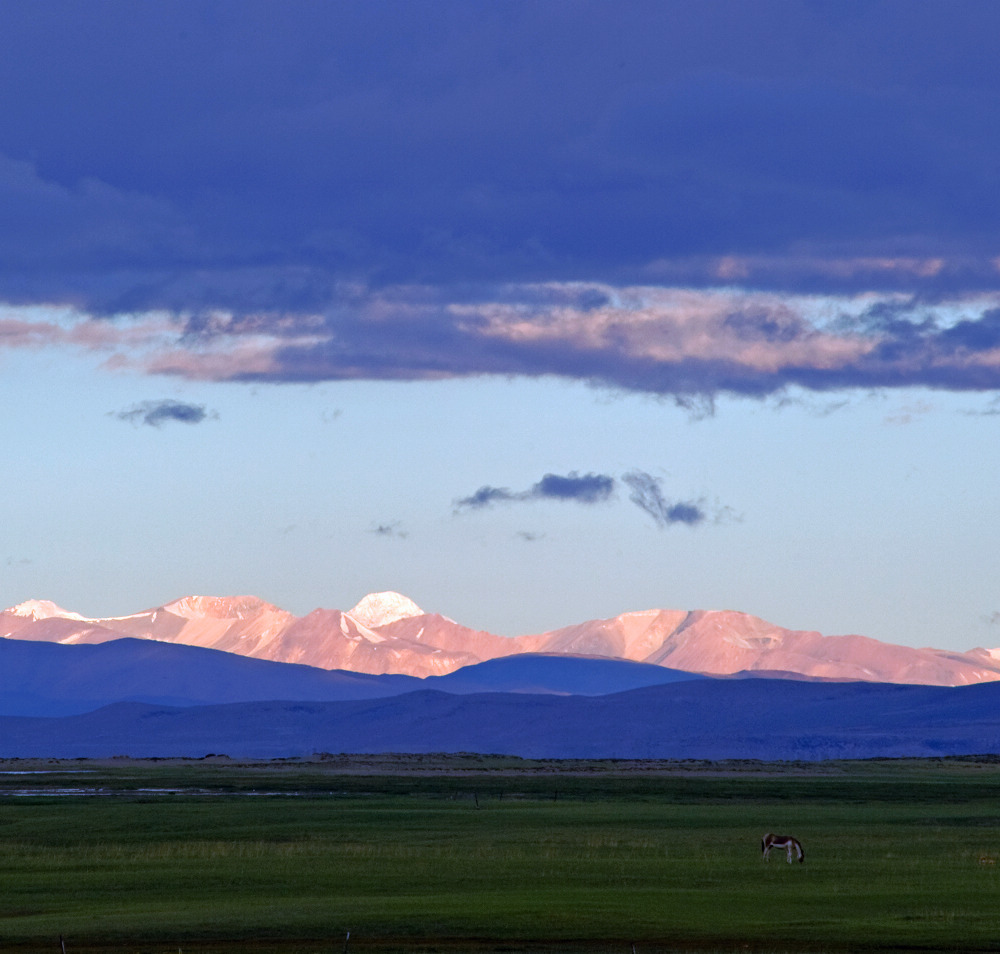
783,843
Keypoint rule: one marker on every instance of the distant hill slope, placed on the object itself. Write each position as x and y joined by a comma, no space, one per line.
40,678
52,679
559,674
387,633
704,719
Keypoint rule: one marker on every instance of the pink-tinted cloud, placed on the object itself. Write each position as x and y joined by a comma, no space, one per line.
685,343
18,333
937,274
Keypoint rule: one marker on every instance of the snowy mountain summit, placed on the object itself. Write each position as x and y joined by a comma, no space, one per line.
42,609
380,609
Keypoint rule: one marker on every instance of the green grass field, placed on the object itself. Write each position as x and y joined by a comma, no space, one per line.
479,855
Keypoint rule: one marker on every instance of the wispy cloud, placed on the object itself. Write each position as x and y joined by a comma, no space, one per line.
647,494
158,413
991,409
585,489
486,496
392,531
645,491
909,413
529,536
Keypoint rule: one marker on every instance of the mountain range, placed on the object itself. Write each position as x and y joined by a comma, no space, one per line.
386,633
203,675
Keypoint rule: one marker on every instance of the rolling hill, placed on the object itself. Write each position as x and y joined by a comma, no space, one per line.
50,679
696,719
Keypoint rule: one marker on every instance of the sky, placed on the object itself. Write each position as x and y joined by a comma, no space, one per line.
536,312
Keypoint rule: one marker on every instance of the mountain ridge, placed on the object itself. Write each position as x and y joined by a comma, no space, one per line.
392,635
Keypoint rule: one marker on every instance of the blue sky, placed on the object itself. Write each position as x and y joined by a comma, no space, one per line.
535,312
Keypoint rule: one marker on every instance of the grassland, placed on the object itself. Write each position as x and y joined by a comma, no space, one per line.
418,855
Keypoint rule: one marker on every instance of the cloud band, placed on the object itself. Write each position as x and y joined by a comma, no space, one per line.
684,343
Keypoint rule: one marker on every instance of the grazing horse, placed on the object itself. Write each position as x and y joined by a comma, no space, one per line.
786,842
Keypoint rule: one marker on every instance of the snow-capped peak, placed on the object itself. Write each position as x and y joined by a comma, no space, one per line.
42,609
379,609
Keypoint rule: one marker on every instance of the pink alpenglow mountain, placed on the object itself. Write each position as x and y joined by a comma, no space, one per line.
388,633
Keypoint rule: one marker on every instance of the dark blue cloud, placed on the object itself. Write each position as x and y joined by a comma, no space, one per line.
486,496
588,488
241,156
389,174
585,489
158,413
645,492
647,495
982,334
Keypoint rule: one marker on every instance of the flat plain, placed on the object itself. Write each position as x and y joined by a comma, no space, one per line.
470,854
